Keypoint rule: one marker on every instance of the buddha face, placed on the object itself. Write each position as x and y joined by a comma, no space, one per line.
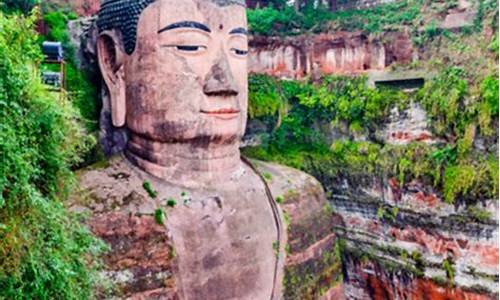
187,77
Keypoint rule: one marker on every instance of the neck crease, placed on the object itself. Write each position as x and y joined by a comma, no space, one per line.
189,164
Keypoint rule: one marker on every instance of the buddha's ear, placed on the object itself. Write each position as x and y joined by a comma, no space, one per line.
111,55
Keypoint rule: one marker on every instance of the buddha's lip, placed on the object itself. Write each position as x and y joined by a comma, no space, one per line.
222,113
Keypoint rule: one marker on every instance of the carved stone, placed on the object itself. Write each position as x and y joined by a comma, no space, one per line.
176,87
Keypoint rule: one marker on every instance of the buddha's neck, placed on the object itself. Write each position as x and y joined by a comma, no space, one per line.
186,164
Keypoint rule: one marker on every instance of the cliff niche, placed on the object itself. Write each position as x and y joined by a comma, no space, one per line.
317,55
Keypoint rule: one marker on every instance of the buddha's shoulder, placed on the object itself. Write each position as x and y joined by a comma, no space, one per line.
112,185
303,202
291,186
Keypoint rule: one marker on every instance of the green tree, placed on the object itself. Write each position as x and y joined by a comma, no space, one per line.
45,253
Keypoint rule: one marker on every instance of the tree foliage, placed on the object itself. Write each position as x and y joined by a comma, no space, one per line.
44,252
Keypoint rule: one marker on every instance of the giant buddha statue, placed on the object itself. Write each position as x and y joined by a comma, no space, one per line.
185,215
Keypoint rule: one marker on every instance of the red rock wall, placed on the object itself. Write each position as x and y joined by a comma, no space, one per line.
385,287
83,8
402,254
86,7
140,263
296,57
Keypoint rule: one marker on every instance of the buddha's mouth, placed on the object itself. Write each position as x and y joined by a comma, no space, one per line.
223,113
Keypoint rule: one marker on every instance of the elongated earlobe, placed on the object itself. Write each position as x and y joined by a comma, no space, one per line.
110,56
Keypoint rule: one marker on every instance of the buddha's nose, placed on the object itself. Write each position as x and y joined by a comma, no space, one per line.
220,80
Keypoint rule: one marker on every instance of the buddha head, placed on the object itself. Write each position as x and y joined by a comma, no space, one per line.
176,70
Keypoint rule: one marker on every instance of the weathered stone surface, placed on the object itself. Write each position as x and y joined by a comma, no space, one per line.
458,20
303,200
214,240
335,293
415,240
371,282
342,52
83,36
221,236
312,264
408,126
141,260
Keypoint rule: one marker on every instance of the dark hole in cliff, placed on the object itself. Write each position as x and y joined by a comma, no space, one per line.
405,84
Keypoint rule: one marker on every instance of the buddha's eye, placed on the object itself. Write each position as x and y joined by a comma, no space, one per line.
239,52
191,48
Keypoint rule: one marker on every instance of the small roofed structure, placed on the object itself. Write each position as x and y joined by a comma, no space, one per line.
52,50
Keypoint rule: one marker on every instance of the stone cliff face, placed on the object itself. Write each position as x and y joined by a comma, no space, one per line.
404,241
423,247
296,57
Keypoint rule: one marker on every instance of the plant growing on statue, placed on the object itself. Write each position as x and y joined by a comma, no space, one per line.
149,189
160,216
172,253
171,202
267,176
276,248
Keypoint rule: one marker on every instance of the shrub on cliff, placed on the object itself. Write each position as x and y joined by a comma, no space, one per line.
44,252
270,21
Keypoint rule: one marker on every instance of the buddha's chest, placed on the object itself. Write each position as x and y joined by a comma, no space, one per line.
225,245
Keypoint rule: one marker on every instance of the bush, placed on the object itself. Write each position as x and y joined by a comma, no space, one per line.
44,252
264,96
348,100
444,100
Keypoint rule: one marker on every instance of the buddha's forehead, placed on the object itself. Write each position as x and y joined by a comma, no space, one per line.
213,13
